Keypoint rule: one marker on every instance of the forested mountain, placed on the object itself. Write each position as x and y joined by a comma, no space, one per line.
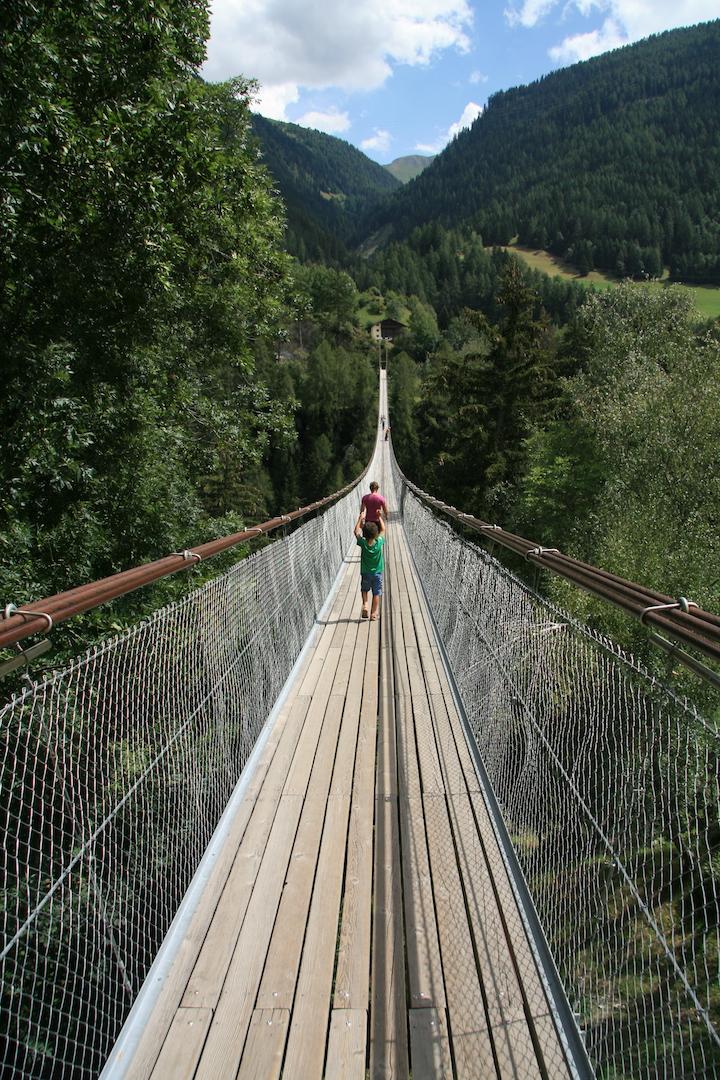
407,168
614,163
327,185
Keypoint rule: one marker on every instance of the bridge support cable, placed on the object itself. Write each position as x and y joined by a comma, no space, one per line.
679,617
608,785
116,771
41,615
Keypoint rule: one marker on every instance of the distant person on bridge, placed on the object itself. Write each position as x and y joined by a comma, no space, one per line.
371,541
387,432
373,505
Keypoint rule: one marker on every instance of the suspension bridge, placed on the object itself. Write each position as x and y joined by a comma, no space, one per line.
259,836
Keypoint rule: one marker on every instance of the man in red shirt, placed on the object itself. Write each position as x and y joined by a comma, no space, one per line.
373,504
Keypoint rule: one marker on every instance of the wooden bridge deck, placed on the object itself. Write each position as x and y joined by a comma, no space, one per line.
360,917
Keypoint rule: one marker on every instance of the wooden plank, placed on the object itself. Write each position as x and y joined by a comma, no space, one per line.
235,1003
429,1045
347,1045
265,1044
309,1023
533,989
425,975
431,770
439,763
206,981
386,779
407,759
207,977
457,760
515,1052
503,996
274,779
297,779
457,764
353,961
441,697
277,988
551,1049
352,975
342,777
425,978
340,607
408,769
388,1016
182,1048
226,1038
471,1042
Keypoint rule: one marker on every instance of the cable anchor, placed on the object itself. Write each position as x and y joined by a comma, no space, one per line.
187,555
12,609
682,603
540,551
25,656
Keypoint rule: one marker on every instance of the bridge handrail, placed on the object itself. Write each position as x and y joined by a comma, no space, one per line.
681,619
21,621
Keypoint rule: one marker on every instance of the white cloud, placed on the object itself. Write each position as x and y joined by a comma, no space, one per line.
478,77
319,44
583,46
529,13
624,21
330,122
470,113
272,101
380,141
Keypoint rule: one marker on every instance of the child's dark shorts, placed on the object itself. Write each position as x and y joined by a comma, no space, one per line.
371,583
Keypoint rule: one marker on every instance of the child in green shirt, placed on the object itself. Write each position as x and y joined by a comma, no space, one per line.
371,541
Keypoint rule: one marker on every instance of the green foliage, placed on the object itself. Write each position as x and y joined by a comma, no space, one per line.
331,296
404,393
142,265
626,476
447,270
479,399
335,388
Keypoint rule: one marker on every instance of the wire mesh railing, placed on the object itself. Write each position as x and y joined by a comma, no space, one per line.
115,773
608,785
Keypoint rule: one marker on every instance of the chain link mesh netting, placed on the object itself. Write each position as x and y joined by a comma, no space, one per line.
608,785
115,773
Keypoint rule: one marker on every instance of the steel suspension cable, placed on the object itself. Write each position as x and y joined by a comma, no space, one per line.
678,617
41,615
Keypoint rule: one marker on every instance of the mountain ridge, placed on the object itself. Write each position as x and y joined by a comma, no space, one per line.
327,185
613,162
408,167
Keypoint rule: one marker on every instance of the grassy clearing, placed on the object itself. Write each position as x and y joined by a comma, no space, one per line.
706,297
372,309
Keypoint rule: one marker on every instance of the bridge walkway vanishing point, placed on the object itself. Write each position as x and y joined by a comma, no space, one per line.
361,910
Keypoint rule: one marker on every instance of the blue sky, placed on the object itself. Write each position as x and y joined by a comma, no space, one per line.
398,77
